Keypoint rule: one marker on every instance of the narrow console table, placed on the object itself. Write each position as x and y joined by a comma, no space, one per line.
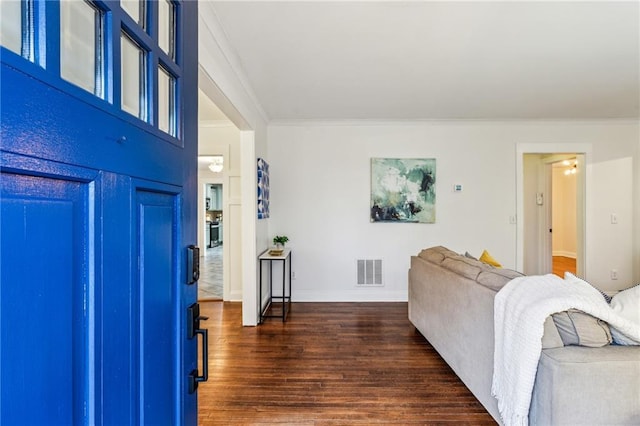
285,259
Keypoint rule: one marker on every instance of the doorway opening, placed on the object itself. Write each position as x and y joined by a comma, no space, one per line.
564,216
219,201
538,226
210,284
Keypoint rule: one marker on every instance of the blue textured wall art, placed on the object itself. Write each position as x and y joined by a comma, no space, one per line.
403,190
263,189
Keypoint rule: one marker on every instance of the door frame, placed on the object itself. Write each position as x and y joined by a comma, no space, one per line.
583,205
248,176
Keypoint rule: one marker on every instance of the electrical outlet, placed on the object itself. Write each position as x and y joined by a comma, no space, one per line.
614,274
293,275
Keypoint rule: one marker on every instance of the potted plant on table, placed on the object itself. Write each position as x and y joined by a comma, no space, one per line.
279,241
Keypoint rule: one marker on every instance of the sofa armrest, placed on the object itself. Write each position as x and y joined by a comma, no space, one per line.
580,385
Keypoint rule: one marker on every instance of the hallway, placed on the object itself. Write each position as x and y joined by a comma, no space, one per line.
210,282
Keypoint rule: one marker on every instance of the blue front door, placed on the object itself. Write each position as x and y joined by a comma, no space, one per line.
98,194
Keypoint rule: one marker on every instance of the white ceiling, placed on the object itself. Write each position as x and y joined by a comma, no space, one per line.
437,60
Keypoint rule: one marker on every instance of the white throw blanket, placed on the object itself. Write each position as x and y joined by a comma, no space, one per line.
520,310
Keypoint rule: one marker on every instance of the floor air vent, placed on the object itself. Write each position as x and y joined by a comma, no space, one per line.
369,272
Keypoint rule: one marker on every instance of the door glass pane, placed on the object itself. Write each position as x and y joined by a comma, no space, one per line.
79,46
11,25
166,96
135,9
132,77
166,25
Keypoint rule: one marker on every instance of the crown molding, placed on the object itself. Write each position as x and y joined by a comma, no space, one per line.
215,123
209,21
444,121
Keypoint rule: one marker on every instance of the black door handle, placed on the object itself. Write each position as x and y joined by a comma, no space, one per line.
193,329
205,355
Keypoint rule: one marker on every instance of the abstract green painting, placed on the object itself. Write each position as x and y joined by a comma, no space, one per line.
403,190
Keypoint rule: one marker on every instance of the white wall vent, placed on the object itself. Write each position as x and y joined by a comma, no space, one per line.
369,272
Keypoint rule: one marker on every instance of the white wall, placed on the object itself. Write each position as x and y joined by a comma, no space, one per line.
320,185
612,244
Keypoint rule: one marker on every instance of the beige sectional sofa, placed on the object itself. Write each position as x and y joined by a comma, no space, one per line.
451,305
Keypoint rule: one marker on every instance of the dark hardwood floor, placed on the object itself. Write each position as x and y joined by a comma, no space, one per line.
329,364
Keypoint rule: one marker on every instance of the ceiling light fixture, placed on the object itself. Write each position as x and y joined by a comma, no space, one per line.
572,170
217,164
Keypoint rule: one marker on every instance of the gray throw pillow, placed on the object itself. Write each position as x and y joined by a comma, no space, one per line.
469,255
551,338
581,329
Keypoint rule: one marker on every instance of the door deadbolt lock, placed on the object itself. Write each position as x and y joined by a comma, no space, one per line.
193,264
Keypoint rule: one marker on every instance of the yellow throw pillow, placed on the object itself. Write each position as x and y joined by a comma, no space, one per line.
489,260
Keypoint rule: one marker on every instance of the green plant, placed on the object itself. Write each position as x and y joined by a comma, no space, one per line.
280,239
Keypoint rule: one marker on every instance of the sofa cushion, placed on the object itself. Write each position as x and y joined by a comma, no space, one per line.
436,254
626,304
469,267
462,266
495,279
581,329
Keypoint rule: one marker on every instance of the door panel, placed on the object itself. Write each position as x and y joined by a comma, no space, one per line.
157,293
44,243
118,335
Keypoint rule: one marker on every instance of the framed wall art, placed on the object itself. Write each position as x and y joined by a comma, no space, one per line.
263,189
403,190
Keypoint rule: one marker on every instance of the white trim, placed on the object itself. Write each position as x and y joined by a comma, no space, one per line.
215,123
418,121
250,311
217,96
209,20
564,254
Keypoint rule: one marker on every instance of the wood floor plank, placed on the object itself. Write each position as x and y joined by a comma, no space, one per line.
329,364
561,264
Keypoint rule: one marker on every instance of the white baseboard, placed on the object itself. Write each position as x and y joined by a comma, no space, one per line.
235,296
564,254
